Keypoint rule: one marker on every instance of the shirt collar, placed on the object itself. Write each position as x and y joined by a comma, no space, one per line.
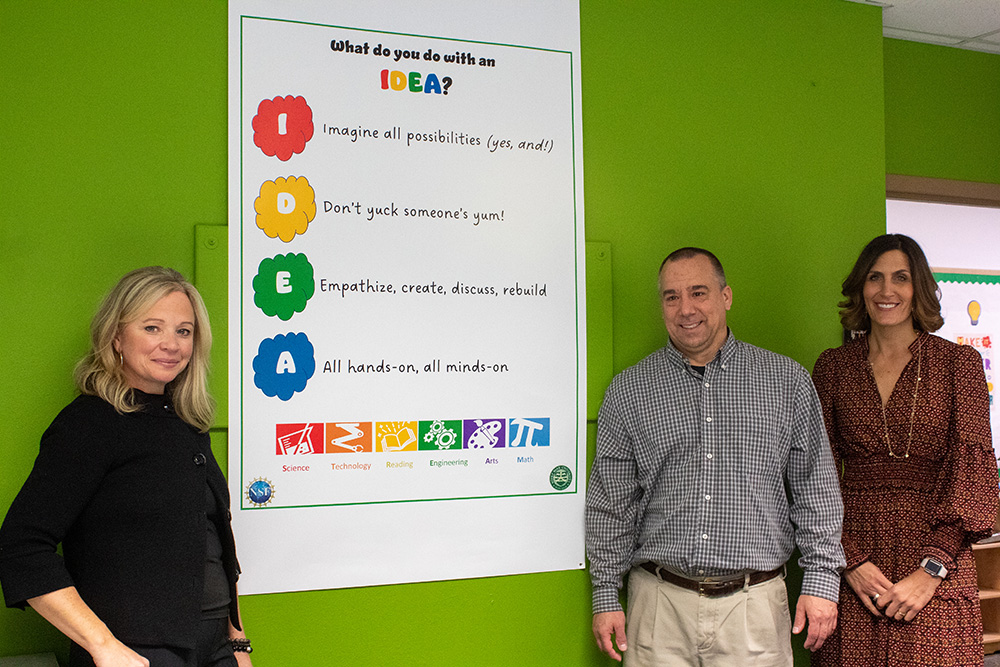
153,403
723,356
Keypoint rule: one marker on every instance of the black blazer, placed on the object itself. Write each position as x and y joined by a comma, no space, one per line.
125,495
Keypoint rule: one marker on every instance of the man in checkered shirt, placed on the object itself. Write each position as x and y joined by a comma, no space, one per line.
712,466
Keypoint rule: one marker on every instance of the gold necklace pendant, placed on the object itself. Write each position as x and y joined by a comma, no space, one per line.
913,411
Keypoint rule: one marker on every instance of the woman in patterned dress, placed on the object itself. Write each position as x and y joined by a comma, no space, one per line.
908,419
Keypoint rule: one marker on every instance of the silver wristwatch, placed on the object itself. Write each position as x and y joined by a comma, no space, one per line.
934,568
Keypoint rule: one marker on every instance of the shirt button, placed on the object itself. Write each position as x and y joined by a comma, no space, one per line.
708,419
701,571
199,459
708,497
708,456
707,384
704,536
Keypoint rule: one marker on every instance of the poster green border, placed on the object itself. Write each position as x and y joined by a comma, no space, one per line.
576,269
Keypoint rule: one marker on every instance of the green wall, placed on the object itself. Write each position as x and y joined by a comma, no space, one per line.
942,107
755,129
752,129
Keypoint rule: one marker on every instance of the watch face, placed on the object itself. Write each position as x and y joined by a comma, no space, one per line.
932,567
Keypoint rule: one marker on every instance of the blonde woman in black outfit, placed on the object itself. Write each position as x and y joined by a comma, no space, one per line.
126,481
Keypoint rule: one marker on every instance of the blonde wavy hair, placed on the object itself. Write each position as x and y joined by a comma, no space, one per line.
100,372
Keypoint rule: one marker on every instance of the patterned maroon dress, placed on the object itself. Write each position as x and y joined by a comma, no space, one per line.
935,502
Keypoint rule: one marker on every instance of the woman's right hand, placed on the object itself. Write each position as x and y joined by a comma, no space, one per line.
65,609
868,582
116,654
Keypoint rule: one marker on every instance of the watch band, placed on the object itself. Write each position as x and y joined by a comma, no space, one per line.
934,568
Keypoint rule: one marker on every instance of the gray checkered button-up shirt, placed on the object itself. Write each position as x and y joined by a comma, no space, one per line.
713,475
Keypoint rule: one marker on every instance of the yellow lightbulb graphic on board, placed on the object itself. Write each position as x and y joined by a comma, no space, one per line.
974,311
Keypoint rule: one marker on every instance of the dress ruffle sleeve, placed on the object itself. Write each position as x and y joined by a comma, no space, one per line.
965,505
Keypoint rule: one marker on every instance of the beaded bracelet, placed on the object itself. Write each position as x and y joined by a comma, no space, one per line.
241,645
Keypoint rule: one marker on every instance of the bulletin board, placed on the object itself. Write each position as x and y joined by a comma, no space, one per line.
960,243
407,379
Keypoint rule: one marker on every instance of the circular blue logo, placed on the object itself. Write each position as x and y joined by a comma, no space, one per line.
260,492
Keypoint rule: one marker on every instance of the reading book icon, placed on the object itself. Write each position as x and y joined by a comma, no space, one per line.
394,442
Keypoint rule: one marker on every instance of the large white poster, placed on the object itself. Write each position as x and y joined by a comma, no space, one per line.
961,246
406,292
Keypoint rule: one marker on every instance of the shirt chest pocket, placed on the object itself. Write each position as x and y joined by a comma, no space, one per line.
757,434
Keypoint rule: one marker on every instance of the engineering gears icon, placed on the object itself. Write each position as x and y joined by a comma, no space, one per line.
440,434
437,427
445,439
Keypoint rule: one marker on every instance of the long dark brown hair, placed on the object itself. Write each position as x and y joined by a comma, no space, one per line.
926,306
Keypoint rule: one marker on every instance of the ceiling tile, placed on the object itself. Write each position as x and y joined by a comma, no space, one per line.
956,18
964,24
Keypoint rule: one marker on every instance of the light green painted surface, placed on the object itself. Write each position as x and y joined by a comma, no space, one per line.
600,354
211,276
942,112
751,129
754,129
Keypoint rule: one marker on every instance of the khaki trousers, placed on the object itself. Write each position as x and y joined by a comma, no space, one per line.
667,625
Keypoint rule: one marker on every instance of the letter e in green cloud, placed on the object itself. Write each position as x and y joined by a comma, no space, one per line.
283,285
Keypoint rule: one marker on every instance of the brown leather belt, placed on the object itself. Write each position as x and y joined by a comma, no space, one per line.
712,589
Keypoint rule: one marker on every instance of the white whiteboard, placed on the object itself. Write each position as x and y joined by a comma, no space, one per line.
406,292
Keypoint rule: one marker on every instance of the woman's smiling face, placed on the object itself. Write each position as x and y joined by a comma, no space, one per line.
157,346
888,290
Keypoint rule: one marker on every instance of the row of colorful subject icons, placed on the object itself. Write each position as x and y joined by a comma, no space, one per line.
410,436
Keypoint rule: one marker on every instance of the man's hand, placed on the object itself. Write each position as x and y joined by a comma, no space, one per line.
909,595
609,628
821,616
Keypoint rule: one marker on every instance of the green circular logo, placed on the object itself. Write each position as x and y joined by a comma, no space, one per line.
560,478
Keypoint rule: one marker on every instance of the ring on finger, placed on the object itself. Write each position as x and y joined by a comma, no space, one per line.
875,597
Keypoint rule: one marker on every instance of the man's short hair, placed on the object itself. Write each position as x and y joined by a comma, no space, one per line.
688,252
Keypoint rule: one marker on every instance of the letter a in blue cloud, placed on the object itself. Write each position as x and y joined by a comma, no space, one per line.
283,365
